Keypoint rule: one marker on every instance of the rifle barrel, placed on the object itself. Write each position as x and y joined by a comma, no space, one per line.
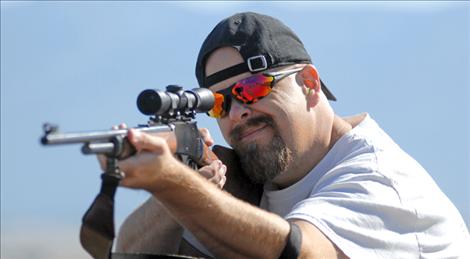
57,138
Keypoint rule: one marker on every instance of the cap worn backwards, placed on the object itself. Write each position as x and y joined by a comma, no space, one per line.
263,41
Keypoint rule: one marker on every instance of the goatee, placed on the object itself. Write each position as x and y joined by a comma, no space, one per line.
261,163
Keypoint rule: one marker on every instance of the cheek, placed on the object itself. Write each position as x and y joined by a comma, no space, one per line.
286,105
288,109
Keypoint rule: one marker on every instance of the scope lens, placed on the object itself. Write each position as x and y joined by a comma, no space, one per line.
152,102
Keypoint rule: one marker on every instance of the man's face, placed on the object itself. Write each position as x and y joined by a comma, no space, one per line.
262,161
260,133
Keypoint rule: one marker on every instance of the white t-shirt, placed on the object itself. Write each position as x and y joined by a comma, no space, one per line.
372,200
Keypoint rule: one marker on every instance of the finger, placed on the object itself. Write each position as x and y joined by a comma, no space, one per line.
129,180
223,178
215,180
128,165
120,126
213,172
219,172
222,182
223,169
206,136
219,167
207,171
142,141
131,166
215,177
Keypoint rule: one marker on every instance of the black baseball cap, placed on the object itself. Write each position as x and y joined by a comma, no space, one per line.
263,41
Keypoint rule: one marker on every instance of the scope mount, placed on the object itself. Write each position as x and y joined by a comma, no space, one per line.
175,114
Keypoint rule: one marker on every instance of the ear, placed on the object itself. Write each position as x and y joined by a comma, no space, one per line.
312,86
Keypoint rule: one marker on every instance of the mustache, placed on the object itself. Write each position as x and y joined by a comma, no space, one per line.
252,122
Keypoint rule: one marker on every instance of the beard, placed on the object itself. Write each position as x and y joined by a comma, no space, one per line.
261,163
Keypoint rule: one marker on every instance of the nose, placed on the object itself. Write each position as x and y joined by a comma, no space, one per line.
238,111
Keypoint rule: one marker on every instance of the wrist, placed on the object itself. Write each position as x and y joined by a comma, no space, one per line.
167,177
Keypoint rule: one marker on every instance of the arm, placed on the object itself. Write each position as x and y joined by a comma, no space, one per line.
227,226
315,244
149,229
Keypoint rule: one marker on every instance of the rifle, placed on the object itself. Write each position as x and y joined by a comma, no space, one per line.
172,118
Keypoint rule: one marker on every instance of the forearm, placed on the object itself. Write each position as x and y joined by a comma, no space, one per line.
228,227
149,229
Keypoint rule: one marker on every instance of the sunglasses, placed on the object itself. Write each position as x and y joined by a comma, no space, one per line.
247,91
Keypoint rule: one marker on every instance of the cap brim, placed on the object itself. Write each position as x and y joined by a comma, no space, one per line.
327,92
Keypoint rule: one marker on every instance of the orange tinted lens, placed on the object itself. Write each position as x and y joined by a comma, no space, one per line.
218,109
252,89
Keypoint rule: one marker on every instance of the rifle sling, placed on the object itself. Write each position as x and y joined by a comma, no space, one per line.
97,231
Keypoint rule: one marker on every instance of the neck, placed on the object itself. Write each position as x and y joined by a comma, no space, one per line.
340,127
304,163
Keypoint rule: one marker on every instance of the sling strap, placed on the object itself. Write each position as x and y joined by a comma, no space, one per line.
97,231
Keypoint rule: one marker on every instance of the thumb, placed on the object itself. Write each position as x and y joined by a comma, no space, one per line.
206,136
143,141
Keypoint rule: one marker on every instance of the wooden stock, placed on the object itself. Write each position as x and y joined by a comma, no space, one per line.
208,156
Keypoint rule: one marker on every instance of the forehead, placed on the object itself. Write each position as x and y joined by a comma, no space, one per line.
223,58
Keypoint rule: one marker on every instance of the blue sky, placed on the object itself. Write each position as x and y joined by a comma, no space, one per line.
82,64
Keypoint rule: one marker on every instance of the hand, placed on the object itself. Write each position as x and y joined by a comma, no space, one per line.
215,173
206,137
152,161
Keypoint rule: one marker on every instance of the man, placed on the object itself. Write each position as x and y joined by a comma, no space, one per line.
333,187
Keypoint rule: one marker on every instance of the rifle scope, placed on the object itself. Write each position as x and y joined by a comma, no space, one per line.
174,99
